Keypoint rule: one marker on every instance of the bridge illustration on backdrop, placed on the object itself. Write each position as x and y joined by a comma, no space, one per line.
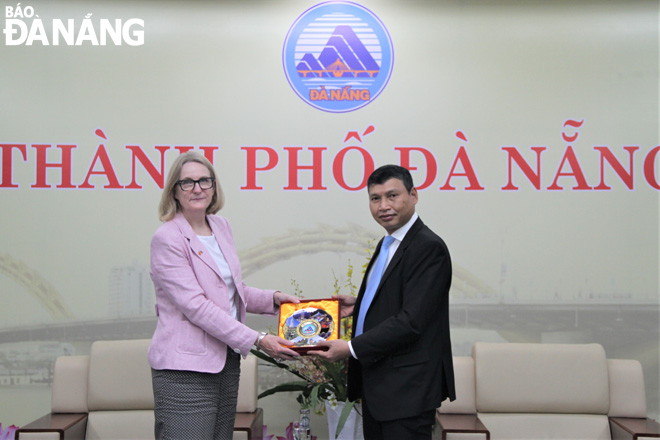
472,302
474,306
42,290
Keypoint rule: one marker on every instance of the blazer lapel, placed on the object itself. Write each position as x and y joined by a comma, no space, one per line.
226,248
197,248
228,251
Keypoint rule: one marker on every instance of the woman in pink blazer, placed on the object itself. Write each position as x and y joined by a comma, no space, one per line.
201,302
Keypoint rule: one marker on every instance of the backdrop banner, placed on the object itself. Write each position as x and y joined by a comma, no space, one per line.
530,128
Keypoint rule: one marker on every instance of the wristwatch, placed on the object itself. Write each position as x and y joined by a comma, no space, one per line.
261,336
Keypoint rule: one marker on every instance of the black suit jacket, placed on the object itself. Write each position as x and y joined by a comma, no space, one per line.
404,361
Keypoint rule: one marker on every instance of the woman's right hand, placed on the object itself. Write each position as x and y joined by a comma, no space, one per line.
273,347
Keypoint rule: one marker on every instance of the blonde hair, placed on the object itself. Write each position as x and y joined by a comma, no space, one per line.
169,205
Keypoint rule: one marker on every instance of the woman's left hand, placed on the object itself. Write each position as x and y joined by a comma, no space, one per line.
279,298
276,347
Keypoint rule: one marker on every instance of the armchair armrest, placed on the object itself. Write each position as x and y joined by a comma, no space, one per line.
62,426
461,424
250,422
634,428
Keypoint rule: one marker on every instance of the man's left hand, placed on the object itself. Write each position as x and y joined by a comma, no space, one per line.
337,350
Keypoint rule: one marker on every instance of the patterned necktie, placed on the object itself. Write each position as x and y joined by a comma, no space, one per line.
374,281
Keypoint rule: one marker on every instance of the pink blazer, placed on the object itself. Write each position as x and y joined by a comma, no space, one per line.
194,327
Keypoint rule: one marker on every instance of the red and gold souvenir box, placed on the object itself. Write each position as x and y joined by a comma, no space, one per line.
309,322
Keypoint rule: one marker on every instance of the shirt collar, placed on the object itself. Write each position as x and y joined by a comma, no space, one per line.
400,233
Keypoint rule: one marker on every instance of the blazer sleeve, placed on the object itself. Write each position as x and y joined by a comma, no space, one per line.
173,275
421,284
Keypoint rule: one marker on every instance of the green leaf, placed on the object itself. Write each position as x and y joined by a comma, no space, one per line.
289,386
314,396
337,379
348,406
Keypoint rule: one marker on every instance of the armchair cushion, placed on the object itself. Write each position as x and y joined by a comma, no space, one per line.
541,378
69,392
121,425
465,402
247,386
547,426
120,376
627,392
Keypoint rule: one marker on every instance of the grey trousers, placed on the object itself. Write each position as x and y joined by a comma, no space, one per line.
193,405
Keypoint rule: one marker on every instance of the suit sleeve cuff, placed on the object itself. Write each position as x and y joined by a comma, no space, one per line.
350,347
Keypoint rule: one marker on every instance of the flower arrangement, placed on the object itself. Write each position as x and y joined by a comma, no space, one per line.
319,381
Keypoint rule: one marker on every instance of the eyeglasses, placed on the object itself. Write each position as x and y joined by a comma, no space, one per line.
189,184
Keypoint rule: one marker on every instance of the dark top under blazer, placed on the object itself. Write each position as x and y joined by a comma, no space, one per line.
404,364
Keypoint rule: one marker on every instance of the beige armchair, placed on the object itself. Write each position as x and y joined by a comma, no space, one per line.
108,395
545,391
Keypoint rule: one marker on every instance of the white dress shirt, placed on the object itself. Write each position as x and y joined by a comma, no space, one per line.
214,249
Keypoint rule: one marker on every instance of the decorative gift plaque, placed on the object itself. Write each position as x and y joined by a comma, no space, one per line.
309,322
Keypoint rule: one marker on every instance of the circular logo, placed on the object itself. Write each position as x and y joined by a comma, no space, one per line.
309,329
338,56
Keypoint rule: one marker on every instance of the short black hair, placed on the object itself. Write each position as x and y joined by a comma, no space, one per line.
387,172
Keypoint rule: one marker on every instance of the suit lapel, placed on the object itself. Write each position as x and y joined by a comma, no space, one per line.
396,259
398,255
363,286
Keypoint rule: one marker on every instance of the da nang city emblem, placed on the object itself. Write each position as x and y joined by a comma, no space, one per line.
338,56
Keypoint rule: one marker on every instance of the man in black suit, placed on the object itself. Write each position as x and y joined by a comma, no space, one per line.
400,360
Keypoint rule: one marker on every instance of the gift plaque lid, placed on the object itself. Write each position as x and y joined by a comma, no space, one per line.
309,322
